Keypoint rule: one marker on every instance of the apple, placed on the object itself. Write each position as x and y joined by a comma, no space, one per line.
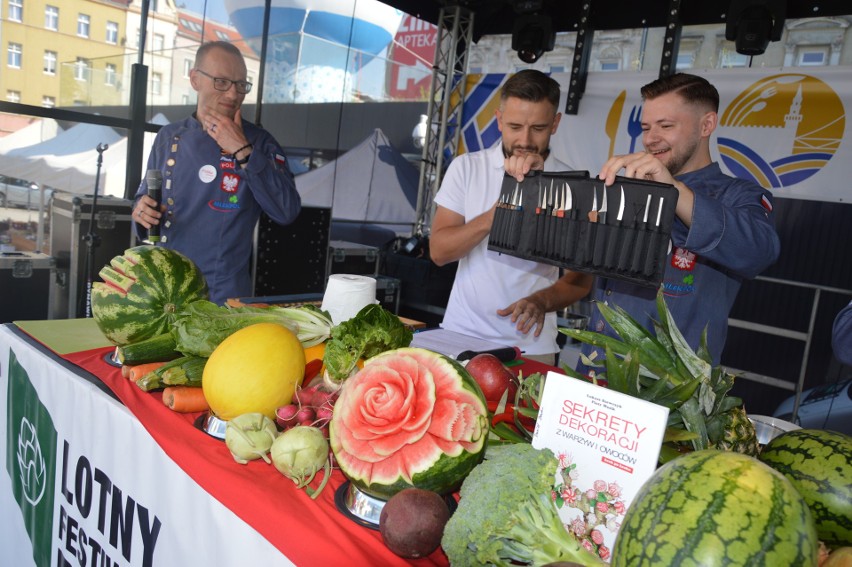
493,377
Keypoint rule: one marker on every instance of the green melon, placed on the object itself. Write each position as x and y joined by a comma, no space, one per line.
716,508
409,418
142,291
819,464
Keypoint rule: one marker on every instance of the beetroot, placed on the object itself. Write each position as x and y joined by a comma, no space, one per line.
412,522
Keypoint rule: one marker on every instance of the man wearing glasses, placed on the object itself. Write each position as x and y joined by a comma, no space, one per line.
219,172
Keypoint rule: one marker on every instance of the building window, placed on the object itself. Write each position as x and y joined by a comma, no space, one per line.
81,69
15,54
685,61
156,83
110,77
51,18
811,56
112,32
159,43
83,23
13,96
48,101
610,65
730,59
184,99
49,62
557,68
16,10
187,67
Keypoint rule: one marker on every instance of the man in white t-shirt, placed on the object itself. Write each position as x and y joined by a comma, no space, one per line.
495,296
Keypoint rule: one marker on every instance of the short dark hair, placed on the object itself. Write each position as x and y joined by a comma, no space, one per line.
533,86
225,46
693,89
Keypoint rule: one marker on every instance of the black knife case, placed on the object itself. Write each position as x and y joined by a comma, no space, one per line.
532,221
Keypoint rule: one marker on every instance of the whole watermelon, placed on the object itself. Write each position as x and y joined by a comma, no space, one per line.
142,290
716,508
819,464
410,417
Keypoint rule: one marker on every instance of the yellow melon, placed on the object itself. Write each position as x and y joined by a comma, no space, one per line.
256,369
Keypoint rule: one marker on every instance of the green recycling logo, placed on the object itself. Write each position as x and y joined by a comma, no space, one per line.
31,467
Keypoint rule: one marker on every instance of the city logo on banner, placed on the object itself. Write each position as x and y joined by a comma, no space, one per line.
781,130
31,459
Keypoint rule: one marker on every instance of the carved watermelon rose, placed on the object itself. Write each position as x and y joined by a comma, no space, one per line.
410,417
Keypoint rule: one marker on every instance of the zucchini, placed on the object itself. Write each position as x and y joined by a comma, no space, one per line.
156,349
187,373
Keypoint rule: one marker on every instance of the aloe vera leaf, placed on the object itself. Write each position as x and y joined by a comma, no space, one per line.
706,398
693,362
703,351
615,372
662,334
675,435
506,433
632,371
624,325
679,394
694,422
636,335
601,341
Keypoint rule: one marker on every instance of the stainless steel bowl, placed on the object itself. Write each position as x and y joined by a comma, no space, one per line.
768,427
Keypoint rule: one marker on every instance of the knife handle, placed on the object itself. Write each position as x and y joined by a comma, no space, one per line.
651,254
599,249
627,239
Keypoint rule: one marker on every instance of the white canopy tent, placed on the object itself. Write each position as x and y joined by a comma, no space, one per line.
68,161
34,133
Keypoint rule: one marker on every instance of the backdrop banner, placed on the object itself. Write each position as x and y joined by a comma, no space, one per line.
782,128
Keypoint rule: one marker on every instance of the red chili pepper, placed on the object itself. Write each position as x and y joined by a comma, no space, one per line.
312,368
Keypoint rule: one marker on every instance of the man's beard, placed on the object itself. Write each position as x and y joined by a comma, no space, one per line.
510,152
678,161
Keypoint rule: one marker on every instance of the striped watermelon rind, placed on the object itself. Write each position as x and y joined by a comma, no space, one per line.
142,291
715,507
429,461
819,464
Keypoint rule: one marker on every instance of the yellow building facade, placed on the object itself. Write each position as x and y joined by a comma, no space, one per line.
63,52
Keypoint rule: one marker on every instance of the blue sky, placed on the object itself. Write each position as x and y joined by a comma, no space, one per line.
215,8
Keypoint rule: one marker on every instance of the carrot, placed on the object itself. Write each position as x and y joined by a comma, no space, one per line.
185,399
138,371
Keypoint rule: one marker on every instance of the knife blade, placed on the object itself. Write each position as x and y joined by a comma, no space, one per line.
659,213
593,214
569,201
620,215
602,210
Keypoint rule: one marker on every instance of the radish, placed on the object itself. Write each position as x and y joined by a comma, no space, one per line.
324,413
285,416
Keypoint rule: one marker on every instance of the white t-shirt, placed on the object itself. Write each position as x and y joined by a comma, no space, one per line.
487,281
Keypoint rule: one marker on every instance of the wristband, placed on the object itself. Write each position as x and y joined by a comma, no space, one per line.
246,147
242,161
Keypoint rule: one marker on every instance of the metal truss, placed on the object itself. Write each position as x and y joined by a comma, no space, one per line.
446,98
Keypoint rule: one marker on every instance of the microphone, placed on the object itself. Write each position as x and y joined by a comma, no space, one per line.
154,181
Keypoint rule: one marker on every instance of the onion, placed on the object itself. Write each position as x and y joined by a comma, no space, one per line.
299,453
249,437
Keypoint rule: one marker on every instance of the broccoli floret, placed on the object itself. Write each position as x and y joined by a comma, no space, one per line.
506,515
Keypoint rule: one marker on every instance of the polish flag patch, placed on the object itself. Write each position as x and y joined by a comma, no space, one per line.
280,160
766,203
